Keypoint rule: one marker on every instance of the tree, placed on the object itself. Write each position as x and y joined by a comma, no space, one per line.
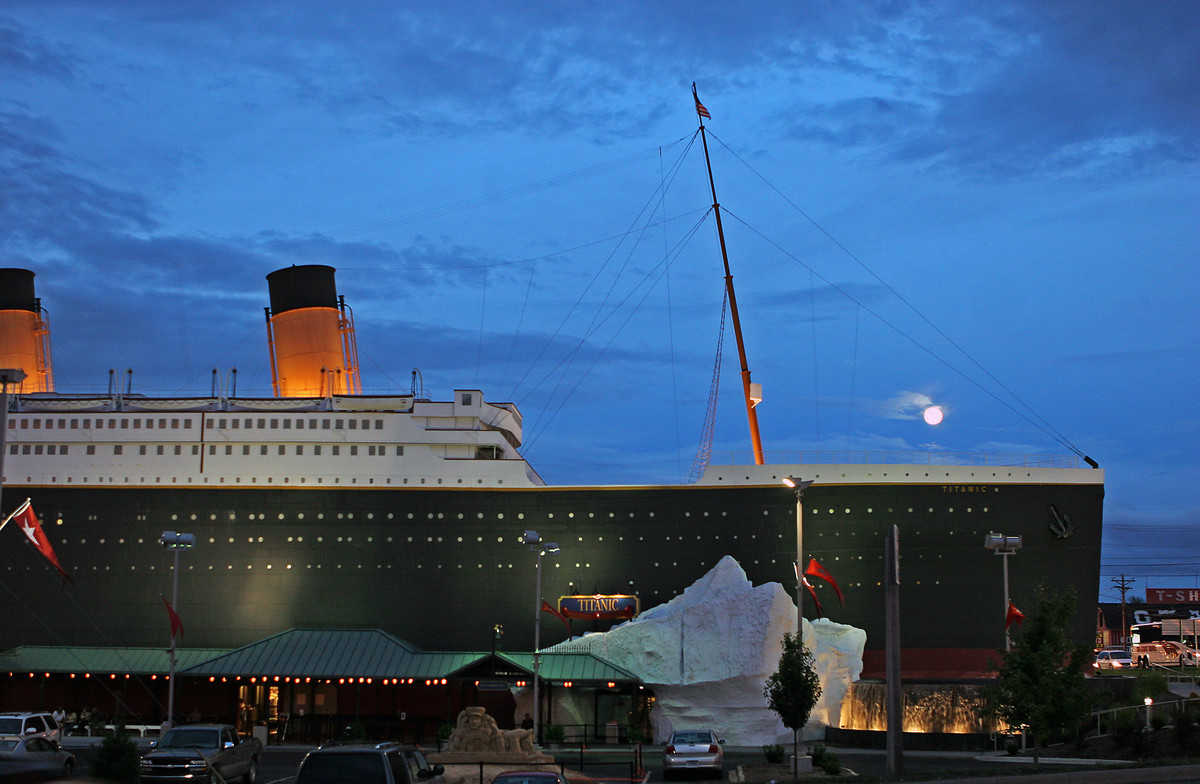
794,689
1041,683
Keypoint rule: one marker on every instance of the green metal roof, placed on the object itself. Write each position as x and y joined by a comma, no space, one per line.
570,667
75,658
333,653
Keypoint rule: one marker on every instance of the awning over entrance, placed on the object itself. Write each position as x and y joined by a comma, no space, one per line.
575,667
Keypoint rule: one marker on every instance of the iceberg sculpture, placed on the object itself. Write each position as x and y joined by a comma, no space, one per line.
707,652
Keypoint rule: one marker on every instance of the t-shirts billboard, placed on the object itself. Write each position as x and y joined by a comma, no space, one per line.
1173,596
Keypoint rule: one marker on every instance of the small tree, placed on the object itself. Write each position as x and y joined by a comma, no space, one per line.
1041,684
794,689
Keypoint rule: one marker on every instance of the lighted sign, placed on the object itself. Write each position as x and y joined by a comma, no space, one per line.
599,606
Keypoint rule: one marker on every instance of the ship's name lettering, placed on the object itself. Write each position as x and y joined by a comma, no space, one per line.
965,489
599,605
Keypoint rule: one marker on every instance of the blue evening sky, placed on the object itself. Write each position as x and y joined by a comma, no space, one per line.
486,180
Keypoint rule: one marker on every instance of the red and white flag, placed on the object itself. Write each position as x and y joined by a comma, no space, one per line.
815,569
176,621
700,109
27,521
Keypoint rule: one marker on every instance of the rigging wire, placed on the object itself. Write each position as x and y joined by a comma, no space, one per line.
704,451
905,335
653,276
506,194
853,372
1045,425
662,209
571,311
512,344
812,304
482,312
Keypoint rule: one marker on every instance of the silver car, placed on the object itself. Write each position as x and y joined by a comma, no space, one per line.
693,750
34,756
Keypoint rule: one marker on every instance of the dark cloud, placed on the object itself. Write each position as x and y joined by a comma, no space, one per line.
23,53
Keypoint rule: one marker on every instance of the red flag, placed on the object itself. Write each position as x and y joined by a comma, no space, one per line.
816,570
547,607
1013,616
176,621
27,521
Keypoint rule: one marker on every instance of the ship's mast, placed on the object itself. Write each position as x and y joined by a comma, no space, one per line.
751,415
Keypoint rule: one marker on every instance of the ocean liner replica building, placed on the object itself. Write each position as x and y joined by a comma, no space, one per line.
324,507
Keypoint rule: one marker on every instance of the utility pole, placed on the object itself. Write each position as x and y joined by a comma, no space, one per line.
1123,584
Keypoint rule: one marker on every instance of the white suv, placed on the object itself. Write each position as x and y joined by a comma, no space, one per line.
14,724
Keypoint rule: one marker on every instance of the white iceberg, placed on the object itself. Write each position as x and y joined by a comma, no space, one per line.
707,652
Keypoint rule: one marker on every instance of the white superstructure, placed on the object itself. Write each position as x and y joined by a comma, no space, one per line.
334,441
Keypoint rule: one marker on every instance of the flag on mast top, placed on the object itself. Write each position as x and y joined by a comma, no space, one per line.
700,108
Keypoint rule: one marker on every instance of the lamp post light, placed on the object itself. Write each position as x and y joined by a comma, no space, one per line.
1003,546
174,541
534,540
7,376
798,486
1148,701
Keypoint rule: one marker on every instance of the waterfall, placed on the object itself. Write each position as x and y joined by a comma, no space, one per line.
945,708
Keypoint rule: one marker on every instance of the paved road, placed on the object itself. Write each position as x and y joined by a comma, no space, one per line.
278,764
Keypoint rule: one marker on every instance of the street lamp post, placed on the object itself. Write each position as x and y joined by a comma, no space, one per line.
1148,702
536,545
798,486
1003,546
7,376
174,541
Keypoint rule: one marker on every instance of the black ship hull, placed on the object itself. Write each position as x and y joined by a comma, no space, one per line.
440,568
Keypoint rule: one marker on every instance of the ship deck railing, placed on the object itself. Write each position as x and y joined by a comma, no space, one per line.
901,457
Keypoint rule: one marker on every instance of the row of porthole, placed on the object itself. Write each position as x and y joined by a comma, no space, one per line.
871,510
370,539
337,480
389,516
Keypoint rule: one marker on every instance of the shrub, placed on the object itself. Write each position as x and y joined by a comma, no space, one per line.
829,763
773,753
1185,726
1012,747
446,730
818,753
1124,727
117,760
555,733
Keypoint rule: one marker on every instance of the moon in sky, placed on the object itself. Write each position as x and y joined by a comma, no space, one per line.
933,415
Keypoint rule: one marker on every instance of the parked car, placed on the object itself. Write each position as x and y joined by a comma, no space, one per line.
34,757
1164,652
198,751
693,750
13,724
1110,659
529,777
383,763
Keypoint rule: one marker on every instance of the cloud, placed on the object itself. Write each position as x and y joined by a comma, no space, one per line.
22,53
904,405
